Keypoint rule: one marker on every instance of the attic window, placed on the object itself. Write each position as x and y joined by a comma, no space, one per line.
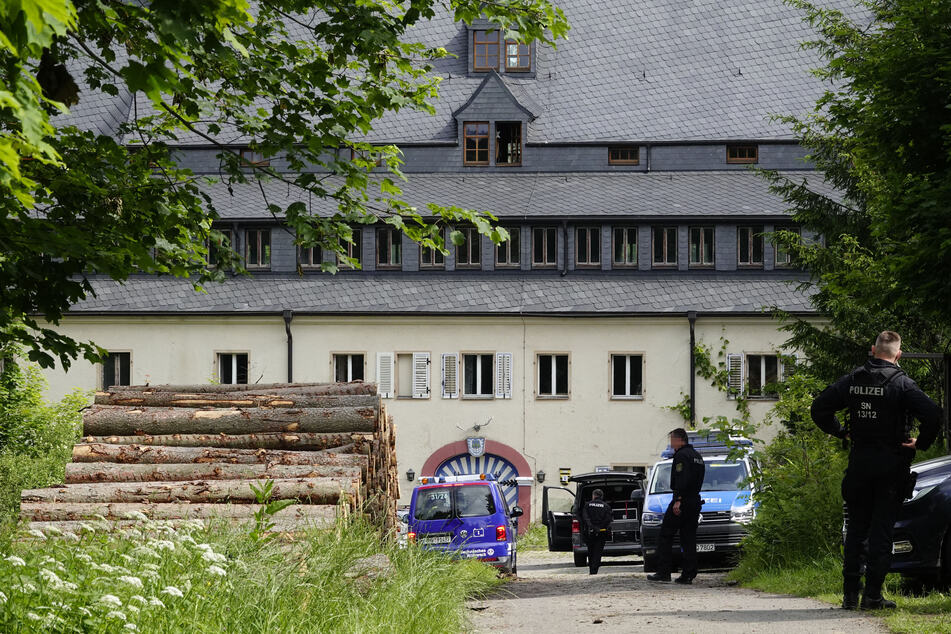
485,50
508,142
476,140
624,155
253,157
742,154
518,57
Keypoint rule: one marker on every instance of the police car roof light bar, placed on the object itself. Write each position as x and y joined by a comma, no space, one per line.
705,443
473,477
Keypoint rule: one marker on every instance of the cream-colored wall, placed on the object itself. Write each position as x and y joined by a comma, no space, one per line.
586,430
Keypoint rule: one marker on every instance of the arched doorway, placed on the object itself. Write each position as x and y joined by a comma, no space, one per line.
502,469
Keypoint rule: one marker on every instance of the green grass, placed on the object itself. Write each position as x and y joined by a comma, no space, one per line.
822,580
227,582
535,538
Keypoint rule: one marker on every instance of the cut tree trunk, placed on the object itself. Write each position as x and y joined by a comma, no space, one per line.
273,440
78,472
355,387
78,528
233,399
77,511
118,420
311,490
157,454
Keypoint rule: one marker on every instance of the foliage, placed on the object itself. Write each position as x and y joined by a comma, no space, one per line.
157,578
263,526
36,437
300,82
534,538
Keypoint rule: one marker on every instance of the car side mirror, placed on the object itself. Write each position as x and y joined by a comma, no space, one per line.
517,511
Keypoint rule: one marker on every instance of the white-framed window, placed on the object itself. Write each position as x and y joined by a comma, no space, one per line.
430,258
783,256
349,366
625,246
755,374
750,246
508,254
701,247
233,368
403,374
257,248
389,248
478,375
353,249
544,247
116,370
552,375
627,376
588,246
664,246
469,253
310,257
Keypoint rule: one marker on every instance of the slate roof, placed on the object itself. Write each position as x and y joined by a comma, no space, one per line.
660,70
547,195
640,293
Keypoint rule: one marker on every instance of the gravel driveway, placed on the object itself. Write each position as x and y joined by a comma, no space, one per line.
551,595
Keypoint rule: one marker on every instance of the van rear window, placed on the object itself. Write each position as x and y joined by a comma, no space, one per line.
434,504
474,501
443,503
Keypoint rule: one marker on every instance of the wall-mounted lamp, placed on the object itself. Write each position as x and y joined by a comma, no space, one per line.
540,476
410,475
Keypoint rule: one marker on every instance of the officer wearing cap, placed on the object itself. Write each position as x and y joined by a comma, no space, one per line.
596,517
878,396
683,513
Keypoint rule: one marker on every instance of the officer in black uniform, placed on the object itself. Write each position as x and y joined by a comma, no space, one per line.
596,517
879,396
683,513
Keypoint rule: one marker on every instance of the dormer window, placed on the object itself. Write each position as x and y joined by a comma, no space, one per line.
253,157
476,142
742,154
623,155
518,57
508,142
485,50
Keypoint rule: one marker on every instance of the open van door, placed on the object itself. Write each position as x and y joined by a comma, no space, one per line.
556,515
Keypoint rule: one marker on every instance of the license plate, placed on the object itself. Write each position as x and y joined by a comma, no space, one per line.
705,548
435,539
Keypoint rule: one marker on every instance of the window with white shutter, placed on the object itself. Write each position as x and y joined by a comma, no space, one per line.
450,375
503,378
420,375
478,375
734,364
385,374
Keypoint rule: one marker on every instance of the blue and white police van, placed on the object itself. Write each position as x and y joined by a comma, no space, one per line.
465,516
727,499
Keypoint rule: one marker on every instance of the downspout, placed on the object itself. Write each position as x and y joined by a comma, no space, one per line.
692,318
648,158
564,251
288,316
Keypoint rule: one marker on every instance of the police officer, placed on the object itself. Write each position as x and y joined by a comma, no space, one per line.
878,397
596,518
683,513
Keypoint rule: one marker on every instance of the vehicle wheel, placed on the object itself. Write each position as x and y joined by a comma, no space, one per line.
945,573
580,560
514,570
650,563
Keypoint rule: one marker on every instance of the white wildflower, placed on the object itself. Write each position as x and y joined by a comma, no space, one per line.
156,602
203,546
107,568
85,611
111,599
136,515
215,570
151,575
162,544
212,556
150,566
3,598
188,585
69,585
70,536
16,561
126,558
53,530
83,557
135,582
187,539
133,609
172,591
115,614
33,616
131,627
50,577
86,528
26,587
144,550
138,598
35,532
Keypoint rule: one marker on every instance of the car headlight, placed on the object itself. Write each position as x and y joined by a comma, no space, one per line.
743,514
923,491
652,519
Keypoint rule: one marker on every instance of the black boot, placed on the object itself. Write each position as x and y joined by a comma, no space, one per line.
881,603
659,577
850,601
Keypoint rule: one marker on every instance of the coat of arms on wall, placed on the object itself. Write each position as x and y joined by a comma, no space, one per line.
476,446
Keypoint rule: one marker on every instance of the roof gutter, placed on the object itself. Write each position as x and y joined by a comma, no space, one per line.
692,318
564,250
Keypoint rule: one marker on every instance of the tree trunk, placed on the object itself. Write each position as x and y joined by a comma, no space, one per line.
234,399
157,454
269,440
105,420
308,490
293,525
77,472
355,387
76,511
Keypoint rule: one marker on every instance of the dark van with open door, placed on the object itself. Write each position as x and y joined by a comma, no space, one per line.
561,513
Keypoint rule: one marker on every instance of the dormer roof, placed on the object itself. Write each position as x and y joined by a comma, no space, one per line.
486,96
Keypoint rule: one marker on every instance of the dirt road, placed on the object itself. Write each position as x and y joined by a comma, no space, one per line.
551,596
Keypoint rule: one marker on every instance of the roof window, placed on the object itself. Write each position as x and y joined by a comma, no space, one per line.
742,154
485,50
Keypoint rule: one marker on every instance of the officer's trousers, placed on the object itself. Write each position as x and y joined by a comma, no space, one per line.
686,524
873,495
595,542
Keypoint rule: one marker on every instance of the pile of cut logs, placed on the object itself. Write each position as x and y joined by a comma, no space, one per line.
194,452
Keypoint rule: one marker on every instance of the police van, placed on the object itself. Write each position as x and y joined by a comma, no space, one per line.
465,516
727,500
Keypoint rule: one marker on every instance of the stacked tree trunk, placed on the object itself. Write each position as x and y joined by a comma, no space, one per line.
178,452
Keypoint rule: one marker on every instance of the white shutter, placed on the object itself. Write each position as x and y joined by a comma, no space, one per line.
450,375
503,375
420,375
734,363
385,372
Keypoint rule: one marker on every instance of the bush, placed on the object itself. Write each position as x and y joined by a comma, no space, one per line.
36,437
